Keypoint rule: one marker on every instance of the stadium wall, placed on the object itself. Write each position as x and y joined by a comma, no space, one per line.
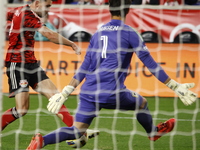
167,21
180,61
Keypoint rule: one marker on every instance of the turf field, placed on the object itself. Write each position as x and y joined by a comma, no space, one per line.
119,130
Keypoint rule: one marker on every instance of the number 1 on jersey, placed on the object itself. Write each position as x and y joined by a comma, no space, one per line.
105,45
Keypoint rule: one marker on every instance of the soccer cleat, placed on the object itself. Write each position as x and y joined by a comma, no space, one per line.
163,128
36,142
78,143
91,133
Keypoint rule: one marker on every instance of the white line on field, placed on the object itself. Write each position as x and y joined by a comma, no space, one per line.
111,117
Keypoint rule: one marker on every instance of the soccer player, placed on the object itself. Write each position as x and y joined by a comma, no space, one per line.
105,69
22,67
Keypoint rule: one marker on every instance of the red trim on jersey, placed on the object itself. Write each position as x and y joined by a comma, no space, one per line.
24,23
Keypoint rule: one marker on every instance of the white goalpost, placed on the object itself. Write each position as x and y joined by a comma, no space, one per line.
2,46
118,128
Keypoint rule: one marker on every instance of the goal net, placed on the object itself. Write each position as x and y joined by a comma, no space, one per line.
172,37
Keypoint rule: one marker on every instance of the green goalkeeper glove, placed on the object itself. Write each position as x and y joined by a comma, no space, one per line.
185,95
57,100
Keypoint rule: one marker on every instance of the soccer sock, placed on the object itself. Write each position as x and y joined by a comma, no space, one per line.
145,119
61,134
9,116
67,117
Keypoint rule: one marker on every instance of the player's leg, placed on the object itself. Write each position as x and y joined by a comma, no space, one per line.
42,84
18,88
84,116
143,115
66,133
129,100
22,106
62,134
48,89
158,131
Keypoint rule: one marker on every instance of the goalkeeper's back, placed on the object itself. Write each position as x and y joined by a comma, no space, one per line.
109,55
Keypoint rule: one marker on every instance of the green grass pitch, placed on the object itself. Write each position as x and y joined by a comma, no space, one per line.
119,129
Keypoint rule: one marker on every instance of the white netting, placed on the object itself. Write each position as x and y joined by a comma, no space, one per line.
119,130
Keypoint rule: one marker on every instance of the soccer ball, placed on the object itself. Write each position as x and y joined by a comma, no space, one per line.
77,143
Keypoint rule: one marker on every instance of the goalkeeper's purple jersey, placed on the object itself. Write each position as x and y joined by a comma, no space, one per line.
108,58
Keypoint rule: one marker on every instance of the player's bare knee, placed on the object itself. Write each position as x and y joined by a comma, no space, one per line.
144,103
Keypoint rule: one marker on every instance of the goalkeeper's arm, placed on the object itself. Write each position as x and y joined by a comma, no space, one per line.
182,90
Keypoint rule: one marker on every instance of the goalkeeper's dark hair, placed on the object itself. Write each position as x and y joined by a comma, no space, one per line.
119,7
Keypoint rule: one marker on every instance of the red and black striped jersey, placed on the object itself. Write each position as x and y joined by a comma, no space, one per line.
24,23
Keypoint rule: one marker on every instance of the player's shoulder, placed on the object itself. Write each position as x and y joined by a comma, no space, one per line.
20,8
15,12
15,9
131,29
29,14
134,32
23,10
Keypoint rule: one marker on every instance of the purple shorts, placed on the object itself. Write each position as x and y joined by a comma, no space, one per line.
88,110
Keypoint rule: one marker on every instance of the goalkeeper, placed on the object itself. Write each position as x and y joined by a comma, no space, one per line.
105,69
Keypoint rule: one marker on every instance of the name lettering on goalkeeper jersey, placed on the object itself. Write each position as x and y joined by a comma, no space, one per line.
112,28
